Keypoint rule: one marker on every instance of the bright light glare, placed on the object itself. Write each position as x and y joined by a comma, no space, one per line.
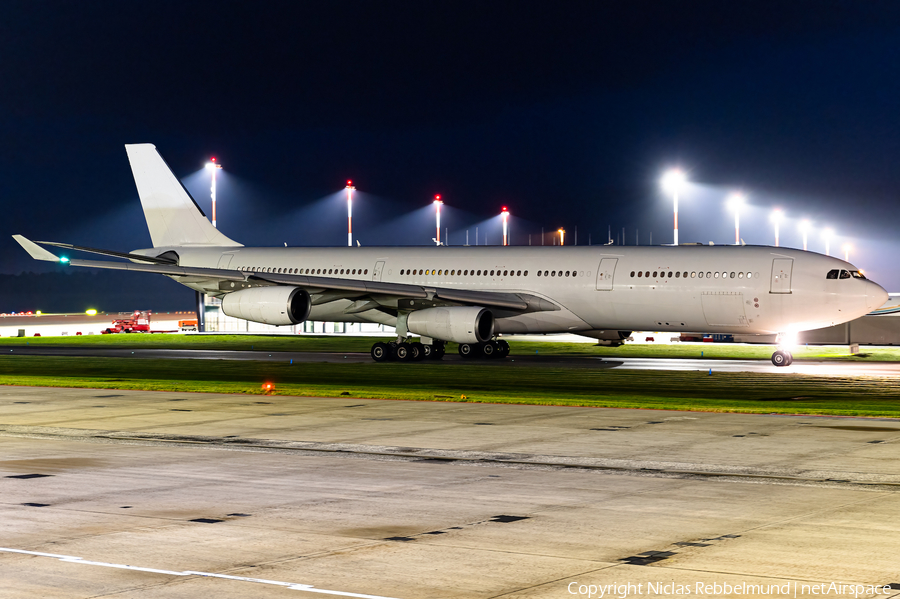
673,180
805,225
91,312
777,215
735,201
788,341
63,259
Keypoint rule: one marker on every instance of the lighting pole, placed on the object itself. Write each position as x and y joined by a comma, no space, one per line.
776,218
562,236
827,233
505,215
213,166
735,201
350,190
437,215
804,228
672,182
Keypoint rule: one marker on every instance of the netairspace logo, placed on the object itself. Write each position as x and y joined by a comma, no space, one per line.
722,589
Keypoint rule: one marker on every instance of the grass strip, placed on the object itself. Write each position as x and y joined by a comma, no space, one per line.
337,344
721,392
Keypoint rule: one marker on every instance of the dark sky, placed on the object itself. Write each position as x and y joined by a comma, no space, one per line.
565,112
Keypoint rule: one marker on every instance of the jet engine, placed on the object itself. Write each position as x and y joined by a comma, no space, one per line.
459,324
278,305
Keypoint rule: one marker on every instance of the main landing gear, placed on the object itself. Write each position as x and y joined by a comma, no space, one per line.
497,348
404,351
782,358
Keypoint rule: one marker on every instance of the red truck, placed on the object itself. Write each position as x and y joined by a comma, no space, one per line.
138,323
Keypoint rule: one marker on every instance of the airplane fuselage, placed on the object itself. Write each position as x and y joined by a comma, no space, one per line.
735,289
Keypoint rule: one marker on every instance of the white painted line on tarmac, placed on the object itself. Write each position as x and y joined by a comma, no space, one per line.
296,586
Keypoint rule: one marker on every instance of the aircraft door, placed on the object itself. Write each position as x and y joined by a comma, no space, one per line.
605,274
376,273
225,260
781,275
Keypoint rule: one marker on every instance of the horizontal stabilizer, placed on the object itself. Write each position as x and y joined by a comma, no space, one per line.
36,251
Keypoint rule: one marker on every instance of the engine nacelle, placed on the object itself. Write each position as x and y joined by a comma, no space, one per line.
276,305
458,324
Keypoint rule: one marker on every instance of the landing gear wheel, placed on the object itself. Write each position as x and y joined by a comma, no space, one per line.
467,350
437,350
403,352
427,351
489,350
504,348
782,358
418,351
381,352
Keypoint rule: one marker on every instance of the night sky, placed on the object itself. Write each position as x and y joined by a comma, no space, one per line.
567,113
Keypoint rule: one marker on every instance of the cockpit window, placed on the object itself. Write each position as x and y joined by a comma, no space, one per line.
857,275
832,274
845,274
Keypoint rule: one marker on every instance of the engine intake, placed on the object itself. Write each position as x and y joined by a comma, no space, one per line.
278,305
458,324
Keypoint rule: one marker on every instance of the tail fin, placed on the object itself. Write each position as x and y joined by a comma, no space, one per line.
174,219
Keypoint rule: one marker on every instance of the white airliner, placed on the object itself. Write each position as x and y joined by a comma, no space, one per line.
471,295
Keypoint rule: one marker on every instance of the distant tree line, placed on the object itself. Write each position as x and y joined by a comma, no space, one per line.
80,290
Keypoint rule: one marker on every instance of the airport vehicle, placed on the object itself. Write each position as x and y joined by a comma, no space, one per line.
138,323
187,325
470,295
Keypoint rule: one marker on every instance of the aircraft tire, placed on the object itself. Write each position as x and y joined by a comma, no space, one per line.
790,358
438,349
504,348
381,352
418,351
467,350
403,352
781,358
427,350
489,350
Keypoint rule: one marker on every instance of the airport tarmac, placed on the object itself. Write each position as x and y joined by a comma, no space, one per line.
107,493
817,368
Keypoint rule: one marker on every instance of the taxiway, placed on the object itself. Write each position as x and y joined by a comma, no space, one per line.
108,493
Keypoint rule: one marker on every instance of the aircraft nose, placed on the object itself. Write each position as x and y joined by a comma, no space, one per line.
876,296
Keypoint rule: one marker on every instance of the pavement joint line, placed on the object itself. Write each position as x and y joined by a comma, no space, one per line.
224,445
296,586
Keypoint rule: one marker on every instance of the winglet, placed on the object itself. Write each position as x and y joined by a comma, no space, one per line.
36,251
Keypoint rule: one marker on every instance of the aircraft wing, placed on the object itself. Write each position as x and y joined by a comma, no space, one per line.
331,288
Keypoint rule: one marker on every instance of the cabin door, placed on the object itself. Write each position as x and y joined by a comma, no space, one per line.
605,273
376,274
781,275
225,260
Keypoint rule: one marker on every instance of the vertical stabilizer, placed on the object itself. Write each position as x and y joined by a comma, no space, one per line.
172,216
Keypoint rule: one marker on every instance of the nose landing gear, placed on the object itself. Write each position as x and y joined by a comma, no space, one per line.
782,358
